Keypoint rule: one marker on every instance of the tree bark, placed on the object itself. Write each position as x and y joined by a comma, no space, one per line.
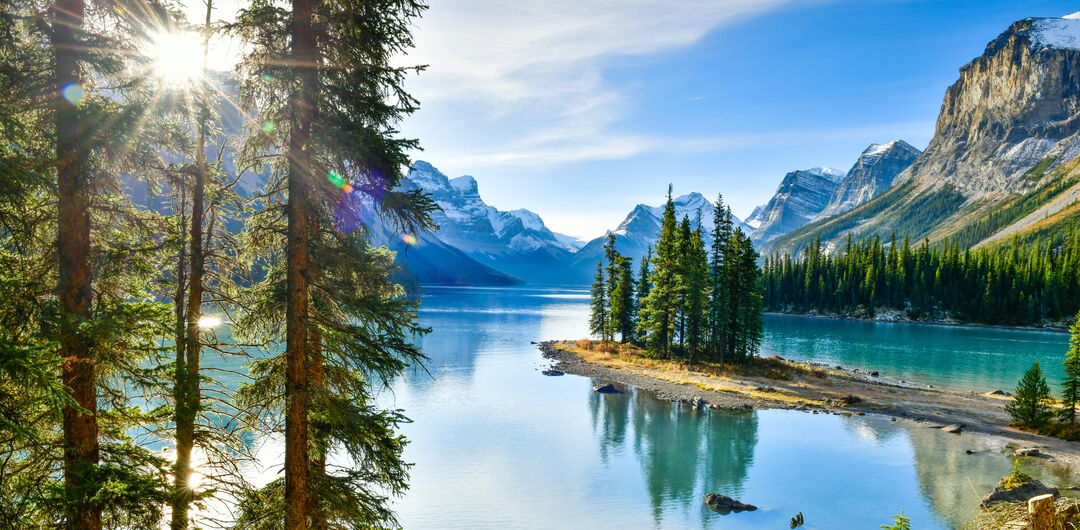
188,391
73,243
299,212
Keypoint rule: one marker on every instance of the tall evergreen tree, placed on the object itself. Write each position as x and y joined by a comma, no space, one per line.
598,319
719,296
659,308
329,95
615,310
1070,387
624,306
697,294
643,288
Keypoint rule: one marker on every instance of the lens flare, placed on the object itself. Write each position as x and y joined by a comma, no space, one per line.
335,179
268,127
73,93
177,57
209,321
409,239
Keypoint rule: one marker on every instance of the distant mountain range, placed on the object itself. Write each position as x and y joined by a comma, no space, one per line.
1004,161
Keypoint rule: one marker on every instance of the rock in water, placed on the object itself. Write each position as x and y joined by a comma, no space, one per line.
552,372
607,389
955,428
724,504
1020,493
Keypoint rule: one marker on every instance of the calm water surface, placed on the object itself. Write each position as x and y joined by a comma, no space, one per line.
497,445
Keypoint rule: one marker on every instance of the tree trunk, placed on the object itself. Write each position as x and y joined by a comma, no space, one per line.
188,394
73,243
299,220
319,446
182,463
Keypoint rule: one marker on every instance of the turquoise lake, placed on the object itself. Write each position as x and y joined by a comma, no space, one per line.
498,445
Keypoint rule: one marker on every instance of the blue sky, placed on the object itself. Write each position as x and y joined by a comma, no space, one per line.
580,110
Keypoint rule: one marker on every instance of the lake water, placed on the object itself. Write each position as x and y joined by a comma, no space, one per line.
498,445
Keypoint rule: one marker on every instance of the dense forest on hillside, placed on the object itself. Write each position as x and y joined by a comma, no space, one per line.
1018,283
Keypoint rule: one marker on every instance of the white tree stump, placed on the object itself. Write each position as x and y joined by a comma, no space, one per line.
1041,509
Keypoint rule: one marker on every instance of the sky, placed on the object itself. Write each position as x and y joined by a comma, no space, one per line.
580,109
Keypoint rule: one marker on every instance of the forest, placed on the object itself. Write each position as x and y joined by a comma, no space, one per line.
689,301
1013,283
133,266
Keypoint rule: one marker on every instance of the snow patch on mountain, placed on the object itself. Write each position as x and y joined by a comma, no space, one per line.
1061,33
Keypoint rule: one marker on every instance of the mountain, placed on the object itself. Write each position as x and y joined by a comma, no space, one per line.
1003,159
515,242
638,232
802,195
874,172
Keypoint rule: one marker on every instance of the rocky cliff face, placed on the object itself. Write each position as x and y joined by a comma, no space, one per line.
1008,131
802,195
876,169
1010,108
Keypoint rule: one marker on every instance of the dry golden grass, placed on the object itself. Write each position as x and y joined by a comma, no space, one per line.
707,376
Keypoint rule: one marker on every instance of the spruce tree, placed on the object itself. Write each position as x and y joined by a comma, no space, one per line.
598,316
643,288
697,294
616,311
624,299
659,307
1070,387
719,293
328,93
1031,404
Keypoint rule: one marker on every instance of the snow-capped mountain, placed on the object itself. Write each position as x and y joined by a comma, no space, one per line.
872,174
802,195
1004,156
638,232
515,242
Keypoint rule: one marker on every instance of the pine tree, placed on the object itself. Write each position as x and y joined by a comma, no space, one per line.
598,319
659,307
697,295
329,94
719,294
683,280
624,296
1031,404
643,288
1070,387
616,311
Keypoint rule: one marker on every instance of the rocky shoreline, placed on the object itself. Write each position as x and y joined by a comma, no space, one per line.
847,392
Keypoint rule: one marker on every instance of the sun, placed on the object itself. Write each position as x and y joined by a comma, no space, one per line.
177,57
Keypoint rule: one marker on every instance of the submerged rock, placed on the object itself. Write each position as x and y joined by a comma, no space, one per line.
724,504
553,372
1020,493
955,428
607,389
1000,393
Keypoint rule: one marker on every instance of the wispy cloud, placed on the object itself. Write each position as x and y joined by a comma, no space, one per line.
521,82
610,146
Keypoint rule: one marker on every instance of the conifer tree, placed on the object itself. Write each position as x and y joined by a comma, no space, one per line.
643,288
328,92
623,303
719,294
615,310
1031,404
1070,387
598,319
683,280
659,307
697,294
